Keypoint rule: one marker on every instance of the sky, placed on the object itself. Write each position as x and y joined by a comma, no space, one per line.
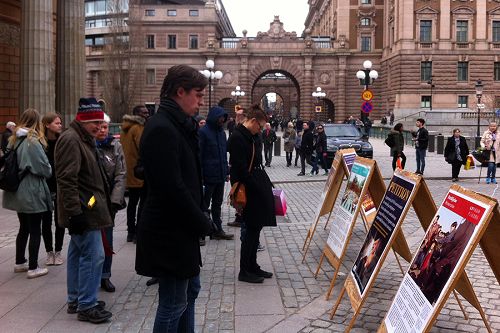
256,15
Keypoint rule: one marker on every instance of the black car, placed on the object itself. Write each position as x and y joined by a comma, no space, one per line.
343,136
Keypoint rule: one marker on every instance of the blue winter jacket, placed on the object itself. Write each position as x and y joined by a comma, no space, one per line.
213,148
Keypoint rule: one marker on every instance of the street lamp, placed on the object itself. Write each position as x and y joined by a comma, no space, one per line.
319,96
237,93
210,74
432,85
367,76
479,94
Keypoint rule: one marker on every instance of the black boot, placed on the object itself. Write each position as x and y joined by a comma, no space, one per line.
249,277
107,285
152,281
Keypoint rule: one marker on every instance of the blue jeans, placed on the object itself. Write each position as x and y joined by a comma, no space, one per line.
176,304
108,260
85,259
492,170
420,153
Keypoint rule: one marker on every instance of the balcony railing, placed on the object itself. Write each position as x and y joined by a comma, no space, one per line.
462,45
425,45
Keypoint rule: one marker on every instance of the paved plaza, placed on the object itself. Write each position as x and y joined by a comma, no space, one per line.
292,301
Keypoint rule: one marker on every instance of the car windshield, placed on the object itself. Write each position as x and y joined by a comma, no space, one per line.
342,131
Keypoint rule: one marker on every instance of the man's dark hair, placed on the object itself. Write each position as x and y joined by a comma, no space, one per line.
398,127
137,109
257,113
421,120
182,76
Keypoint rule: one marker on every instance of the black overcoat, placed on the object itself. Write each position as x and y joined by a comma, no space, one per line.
450,148
259,211
172,220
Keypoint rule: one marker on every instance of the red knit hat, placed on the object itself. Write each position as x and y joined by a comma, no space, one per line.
89,110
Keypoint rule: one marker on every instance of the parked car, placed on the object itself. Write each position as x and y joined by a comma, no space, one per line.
343,136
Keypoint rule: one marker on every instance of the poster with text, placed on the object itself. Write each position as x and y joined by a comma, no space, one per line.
389,215
345,213
448,239
349,159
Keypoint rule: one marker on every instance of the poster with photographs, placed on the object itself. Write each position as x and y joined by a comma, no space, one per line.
346,213
389,215
450,236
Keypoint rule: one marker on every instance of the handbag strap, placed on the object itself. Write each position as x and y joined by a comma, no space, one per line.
253,155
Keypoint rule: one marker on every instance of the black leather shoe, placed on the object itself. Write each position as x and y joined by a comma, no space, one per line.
72,307
202,241
301,174
222,235
94,315
264,274
152,281
107,285
250,278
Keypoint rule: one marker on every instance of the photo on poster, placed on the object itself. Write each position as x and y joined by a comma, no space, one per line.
368,205
357,178
369,256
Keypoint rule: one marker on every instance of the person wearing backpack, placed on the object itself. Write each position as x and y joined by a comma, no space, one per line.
396,142
32,198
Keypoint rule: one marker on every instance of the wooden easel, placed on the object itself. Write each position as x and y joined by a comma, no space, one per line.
487,237
338,171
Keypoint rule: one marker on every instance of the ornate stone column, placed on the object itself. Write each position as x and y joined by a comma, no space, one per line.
37,56
70,83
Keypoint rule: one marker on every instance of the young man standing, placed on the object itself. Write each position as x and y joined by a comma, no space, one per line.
172,220
268,139
421,140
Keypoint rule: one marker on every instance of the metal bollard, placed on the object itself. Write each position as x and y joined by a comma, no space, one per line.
432,143
440,144
277,146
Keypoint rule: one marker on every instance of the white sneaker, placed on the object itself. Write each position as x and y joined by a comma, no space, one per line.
34,273
58,259
21,268
50,258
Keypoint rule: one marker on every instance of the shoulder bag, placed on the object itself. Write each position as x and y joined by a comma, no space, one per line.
238,195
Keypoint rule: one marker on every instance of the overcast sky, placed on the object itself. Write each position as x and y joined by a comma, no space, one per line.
256,15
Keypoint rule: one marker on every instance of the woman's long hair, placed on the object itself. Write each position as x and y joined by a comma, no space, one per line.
31,121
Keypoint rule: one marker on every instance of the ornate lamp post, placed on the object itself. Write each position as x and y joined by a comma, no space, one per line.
319,95
367,75
479,94
432,85
237,93
210,74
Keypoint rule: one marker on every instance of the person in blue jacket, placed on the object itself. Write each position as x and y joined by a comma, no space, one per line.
214,165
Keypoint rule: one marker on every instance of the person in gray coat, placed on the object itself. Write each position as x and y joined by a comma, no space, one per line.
32,199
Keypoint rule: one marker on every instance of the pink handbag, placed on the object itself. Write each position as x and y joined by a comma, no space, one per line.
279,202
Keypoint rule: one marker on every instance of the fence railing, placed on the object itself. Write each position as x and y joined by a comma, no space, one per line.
381,132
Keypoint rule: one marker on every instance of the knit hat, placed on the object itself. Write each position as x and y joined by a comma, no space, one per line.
89,110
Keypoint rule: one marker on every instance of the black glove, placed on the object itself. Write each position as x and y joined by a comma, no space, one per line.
77,224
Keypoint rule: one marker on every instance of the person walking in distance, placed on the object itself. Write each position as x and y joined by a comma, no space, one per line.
320,149
491,142
32,199
455,153
397,142
172,218
268,139
52,126
9,128
130,137
84,208
421,139
306,146
111,157
246,168
289,138
213,148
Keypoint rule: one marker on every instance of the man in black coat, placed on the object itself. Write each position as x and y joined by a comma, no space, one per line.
306,147
268,139
172,218
421,140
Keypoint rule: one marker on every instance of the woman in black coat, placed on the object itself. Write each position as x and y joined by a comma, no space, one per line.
259,210
455,153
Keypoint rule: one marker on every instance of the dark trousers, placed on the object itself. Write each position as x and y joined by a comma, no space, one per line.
268,153
289,158
134,196
249,244
297,155
455,168
318,160
29,227
304,157
395,159
108,258
214,193
420,155
47,231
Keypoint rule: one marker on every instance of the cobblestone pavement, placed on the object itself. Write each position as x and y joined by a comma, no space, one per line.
293,301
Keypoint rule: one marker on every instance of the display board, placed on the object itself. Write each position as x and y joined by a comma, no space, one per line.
440,260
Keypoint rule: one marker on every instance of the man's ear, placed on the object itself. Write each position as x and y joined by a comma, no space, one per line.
180,92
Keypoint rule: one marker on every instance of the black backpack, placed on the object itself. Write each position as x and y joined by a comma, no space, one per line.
9,170
390,141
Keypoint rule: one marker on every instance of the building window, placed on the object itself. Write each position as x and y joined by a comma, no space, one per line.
463,101
496,31
425,71
150,12
463,71
172,12
462,31
425,102
172,41
366,2
193,41
150,41
150,76
366,44
496,71
365,22
89,41
425,31
194,12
